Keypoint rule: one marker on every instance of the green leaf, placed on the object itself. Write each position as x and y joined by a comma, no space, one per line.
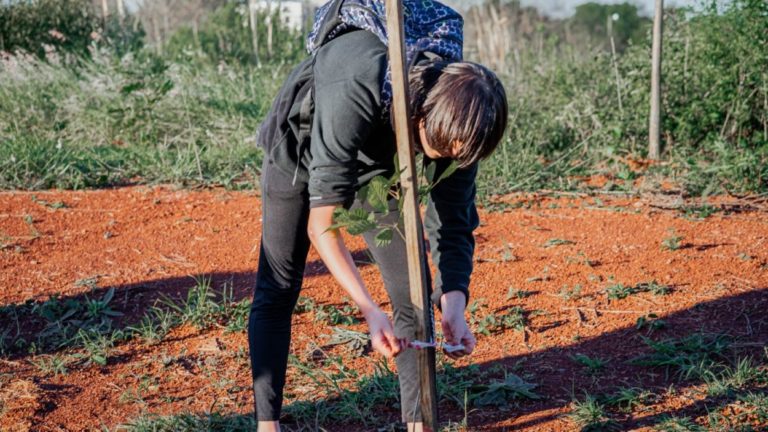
448,171
430,171
362,194
132,87
360,226
356,221
384,237
378,192
108,295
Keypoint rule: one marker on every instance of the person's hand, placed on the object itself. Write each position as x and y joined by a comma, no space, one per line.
455,328
383,337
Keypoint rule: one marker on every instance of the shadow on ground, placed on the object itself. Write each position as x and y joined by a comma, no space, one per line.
743,317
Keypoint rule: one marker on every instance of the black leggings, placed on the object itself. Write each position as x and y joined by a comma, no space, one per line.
283,253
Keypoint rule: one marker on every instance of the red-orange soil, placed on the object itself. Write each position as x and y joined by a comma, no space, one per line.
147,241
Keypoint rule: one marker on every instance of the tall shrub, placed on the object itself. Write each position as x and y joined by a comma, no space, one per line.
63,25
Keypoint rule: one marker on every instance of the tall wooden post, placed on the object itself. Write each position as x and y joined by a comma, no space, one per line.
121,11
270,29
254,29
104,13
654,126
417,271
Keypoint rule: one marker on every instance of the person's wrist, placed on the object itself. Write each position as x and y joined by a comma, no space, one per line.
368,310
453,300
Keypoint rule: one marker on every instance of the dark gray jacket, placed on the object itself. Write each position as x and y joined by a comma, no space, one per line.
350,144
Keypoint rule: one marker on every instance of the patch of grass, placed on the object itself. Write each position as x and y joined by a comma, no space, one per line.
557,242
627,398
650,322
344,395
190,422
673,242
581,258
730,379
501,392
568,294
154,325
146,384
52,205
699,212
97,346
756,404
304,304
619,291
593,364
203,308
63,320
492,323
54,364
334,315
356,341
30,221
678,424
691,357
518,293
590,415
654,288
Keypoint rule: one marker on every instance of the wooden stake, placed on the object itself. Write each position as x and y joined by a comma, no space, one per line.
412,219
121,11
270,29
104,13
654,127
252,19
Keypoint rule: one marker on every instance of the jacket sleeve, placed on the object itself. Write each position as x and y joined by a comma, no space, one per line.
345,113
450,220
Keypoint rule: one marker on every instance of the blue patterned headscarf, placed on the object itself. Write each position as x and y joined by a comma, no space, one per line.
429,26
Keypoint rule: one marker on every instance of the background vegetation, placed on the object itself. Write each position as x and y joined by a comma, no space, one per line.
92,102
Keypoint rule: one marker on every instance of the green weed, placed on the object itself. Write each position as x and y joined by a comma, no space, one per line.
154,325
51,364
501,392
492,323
581,258
590,415
691,357
304,304
593,364
731,379
699,212
627,398
619,291
52,205
678,424
356,341
673,242
97,346
654,287
650,322
569,294
334,315
517,293
557,242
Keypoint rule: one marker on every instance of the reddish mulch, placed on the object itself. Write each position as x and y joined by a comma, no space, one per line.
147,241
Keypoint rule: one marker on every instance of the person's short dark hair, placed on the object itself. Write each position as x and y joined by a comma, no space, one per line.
462,101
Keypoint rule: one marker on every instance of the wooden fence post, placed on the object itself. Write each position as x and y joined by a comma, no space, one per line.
254,30
654,126
412,218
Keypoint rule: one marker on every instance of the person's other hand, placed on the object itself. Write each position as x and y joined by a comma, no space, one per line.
455,328
383,337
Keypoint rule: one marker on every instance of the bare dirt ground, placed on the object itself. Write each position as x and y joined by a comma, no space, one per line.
563,254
